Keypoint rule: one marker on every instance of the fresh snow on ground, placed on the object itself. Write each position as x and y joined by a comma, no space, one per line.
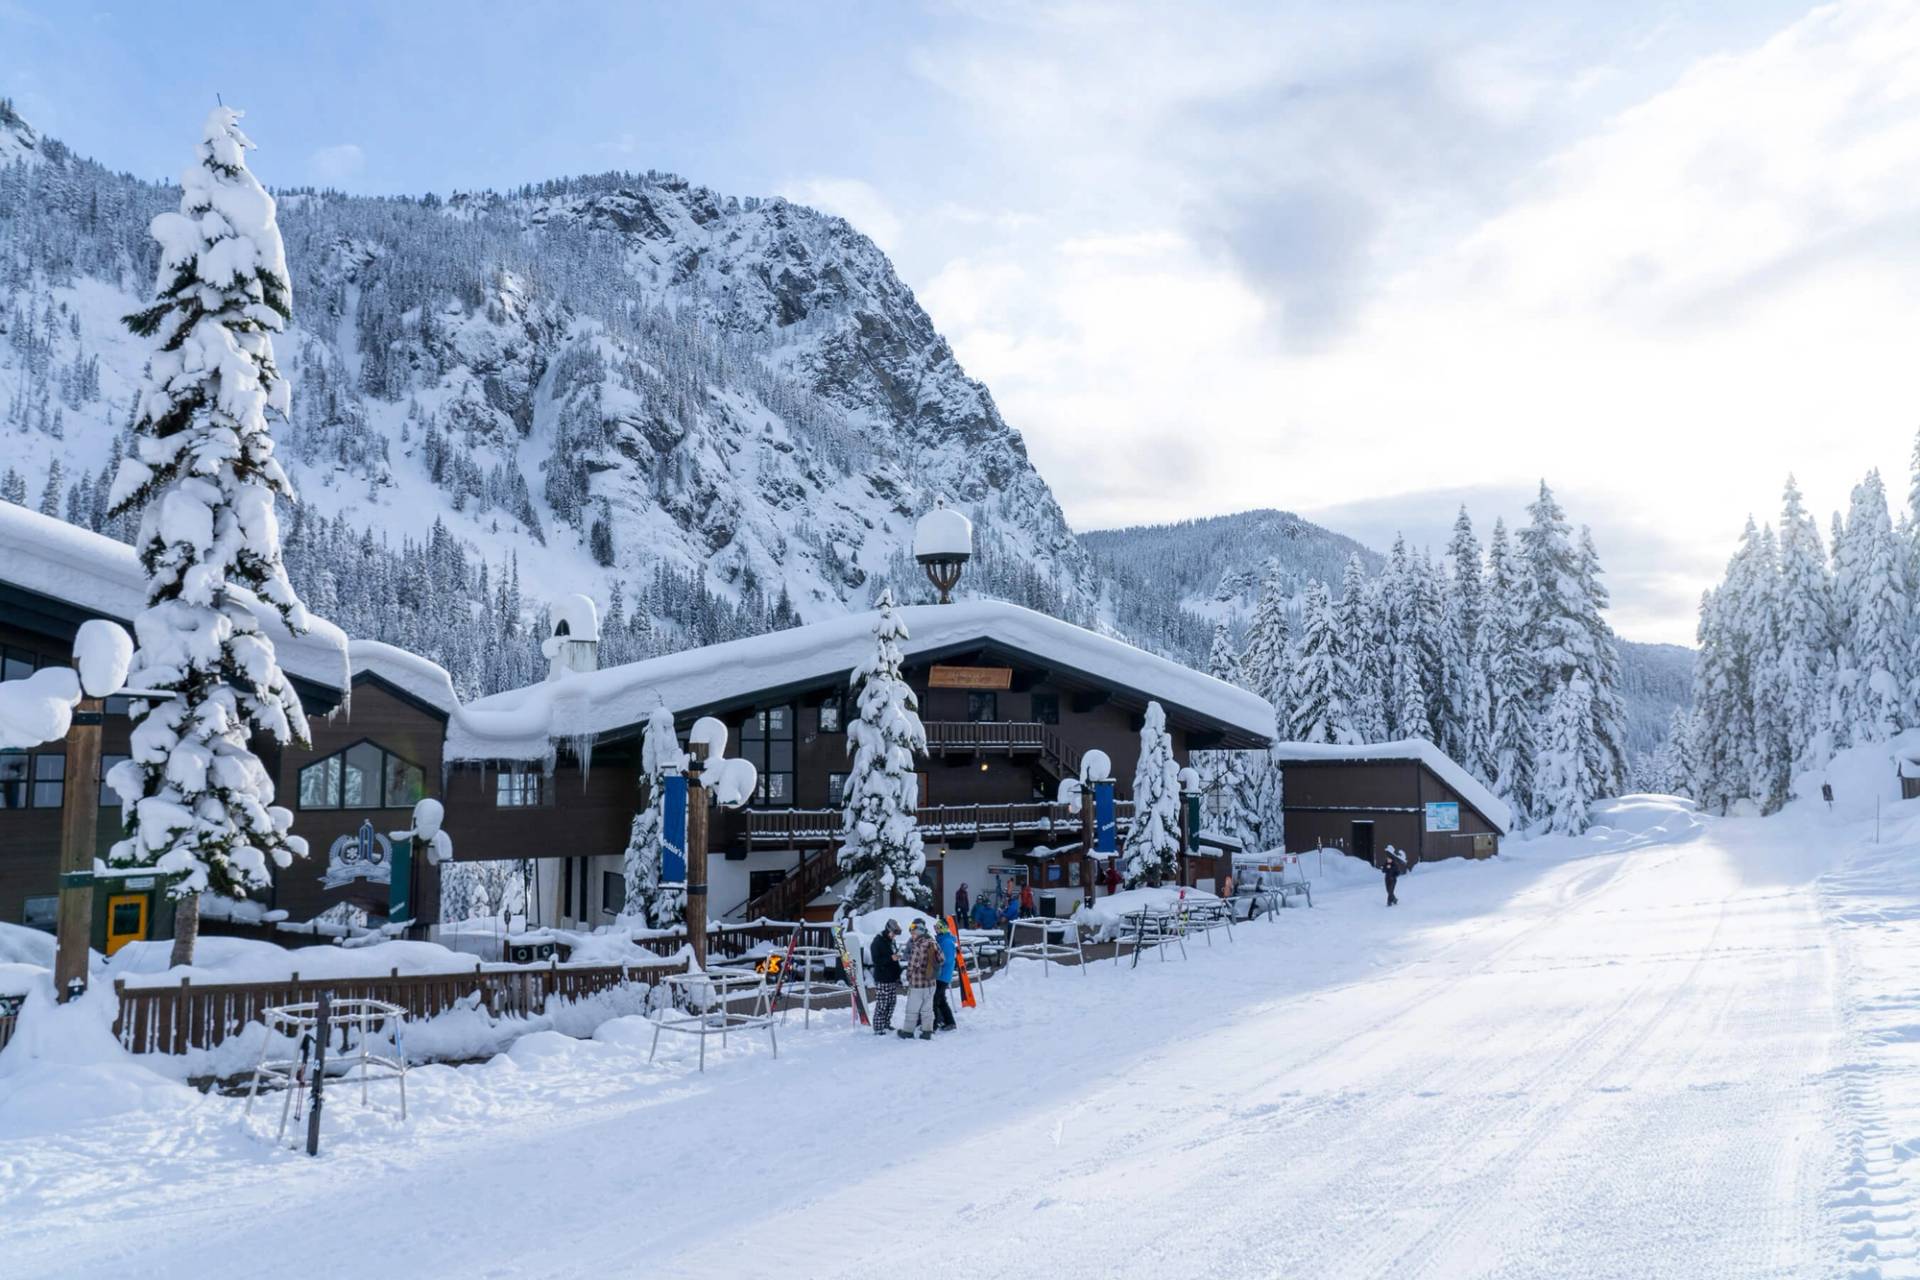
1677,1045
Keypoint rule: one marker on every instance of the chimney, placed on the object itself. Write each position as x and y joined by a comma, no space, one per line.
574,645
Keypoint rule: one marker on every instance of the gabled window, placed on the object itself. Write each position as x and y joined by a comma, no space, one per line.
364,776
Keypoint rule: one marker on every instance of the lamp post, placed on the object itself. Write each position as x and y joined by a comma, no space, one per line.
943,543
731,783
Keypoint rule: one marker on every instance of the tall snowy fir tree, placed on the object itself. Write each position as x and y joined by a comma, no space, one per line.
1805,628
660,904
1465,722
1226,777
203,477
1564,781
1153,837
1362,657
1263,662
1319,680
1872,596
1510,680
881,852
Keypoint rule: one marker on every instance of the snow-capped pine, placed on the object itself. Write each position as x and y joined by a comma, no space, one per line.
881,852
1153,836
661,905
203,477
1320,678
1565,778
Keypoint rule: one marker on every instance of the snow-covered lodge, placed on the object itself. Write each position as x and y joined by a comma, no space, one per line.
1011,700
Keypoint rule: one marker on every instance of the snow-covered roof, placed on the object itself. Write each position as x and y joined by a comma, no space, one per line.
943,531
1470,789
95,574
426,680
522,724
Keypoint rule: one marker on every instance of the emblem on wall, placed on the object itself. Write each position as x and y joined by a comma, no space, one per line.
364,855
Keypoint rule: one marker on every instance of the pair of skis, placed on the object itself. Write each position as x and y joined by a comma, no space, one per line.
847,963
960,969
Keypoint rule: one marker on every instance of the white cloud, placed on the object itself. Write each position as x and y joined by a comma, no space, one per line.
1676,307
858,202
336,163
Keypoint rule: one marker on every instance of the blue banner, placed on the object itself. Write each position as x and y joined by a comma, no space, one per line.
1106,832
673,829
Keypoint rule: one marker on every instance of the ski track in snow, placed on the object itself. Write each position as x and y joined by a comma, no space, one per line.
1665,1062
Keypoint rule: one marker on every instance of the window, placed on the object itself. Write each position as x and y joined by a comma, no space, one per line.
1046,708
767,740
983,706
758,882
49,781
364,776
107,794
516,789
41,913
15,664
830,716
836,789
613,892
32,781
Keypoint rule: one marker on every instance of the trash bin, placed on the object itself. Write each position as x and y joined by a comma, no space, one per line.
1049,905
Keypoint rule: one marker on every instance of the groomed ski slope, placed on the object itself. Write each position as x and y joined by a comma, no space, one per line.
1666,1054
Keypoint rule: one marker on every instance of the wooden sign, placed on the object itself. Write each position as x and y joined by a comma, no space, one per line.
970,677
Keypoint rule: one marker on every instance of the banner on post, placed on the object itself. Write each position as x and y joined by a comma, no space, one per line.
673,829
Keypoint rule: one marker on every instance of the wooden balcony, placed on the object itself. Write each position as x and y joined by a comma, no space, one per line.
1003,737
794,828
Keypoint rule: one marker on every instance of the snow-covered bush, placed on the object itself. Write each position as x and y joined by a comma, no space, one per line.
1153,837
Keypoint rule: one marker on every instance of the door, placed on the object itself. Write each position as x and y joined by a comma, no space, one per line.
126,920
1363,841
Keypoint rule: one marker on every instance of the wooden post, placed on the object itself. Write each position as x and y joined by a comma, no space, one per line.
1090,868
697,853
1186,838
79,823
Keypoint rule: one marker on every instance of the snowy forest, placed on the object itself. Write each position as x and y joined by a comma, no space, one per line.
1807,647
1501,658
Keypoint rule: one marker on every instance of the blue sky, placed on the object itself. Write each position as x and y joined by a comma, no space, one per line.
1357,260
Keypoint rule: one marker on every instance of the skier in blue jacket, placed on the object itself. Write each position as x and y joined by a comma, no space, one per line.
949,966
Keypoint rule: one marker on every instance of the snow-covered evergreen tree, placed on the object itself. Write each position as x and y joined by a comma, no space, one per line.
1153,836
881,852
1364,660
1564,781
1510,680
1320,679
1872,596
1263,661
661,905
202,474
1464,732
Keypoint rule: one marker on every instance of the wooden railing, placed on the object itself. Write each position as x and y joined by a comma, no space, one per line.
1007,736
789,897
194,1015
822,826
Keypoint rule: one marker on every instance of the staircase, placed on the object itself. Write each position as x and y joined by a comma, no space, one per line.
788,899
1009,737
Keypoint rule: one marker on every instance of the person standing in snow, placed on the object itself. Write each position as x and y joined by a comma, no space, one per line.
923,967
949,968
1393,866
983,913
960,903
1008,915
1113,877
886,977
1026,898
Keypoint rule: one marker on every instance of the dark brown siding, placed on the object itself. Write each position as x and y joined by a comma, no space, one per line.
1322,799
581,819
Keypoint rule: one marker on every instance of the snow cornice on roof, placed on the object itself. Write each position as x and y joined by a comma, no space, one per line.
525,724
1419,750
98,577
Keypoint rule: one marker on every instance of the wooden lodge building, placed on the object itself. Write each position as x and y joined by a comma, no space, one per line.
1011,700
1408,794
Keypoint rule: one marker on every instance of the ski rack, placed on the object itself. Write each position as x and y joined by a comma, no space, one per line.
1045,949
1153,927
802,984
358,1023
702,1001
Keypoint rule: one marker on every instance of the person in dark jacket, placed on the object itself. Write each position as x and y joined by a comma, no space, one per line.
1113,877
923,969
1393,866
960,903
886,976
943,980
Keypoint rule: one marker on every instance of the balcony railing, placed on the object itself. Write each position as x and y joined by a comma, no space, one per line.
1008,736
822,826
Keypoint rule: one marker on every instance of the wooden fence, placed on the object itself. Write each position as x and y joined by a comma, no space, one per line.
201,1015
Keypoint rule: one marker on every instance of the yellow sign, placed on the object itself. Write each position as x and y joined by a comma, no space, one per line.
970,678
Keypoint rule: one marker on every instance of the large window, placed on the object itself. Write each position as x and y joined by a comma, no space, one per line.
836,789
364,776
37,781
1046,708
767,740
517,788
16,664
983,706
613,892
41,913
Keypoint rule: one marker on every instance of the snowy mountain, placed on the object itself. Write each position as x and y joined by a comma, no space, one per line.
611,377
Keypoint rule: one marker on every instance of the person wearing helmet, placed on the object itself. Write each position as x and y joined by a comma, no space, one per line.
949,967
923,967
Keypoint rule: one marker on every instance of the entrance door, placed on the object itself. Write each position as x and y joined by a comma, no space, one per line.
126,920
1362,844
